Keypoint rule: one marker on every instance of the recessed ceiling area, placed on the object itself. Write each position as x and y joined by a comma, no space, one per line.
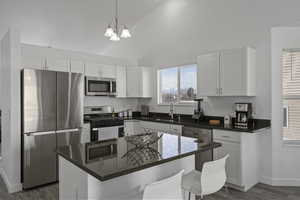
69,24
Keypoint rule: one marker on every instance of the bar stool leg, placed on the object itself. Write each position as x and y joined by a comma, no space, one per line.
189,195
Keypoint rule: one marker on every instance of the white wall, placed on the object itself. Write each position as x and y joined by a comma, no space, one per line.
119,104
177,31
286,162
10,106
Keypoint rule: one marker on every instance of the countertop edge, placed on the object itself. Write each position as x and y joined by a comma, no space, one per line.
129,171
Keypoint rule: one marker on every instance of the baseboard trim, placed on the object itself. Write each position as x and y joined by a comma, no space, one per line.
286,182
11,188
266,180
280,181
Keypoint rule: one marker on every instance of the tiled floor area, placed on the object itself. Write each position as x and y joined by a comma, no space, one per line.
259,192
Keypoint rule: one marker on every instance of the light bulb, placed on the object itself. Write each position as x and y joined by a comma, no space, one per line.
109,32
125,33
114,37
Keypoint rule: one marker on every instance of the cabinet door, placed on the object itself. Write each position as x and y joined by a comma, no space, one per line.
233,164
132,127
77,66
60,64
133,76
33,62
232,74
147,78
93,69
100,70
108,71
207,75
121,81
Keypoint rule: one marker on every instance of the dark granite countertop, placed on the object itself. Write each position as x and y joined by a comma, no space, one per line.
129,154
257,124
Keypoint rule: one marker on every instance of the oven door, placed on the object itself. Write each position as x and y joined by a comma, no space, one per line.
97,86
106,133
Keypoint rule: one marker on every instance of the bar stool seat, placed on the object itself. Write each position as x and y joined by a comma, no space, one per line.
192,182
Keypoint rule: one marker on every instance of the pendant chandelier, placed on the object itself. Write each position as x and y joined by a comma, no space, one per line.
113,31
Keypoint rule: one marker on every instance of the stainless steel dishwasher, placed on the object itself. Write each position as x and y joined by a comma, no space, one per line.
202,137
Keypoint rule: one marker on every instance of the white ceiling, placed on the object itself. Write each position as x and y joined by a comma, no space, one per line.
69,24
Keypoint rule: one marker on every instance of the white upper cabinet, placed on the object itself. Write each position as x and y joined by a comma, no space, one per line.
134,79
237,72
147,78
208,70
227,73
77,66
100,70
33,62
139,82
57,63
121,81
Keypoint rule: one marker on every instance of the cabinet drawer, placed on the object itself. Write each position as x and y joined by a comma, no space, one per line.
226,135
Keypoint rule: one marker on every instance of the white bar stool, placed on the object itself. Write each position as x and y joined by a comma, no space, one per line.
167,189
210,180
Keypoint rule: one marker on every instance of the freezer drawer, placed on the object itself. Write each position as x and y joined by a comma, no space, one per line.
39,159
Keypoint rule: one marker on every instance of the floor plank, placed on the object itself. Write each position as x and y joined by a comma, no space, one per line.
259,192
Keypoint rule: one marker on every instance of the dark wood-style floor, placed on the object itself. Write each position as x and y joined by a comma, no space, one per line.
259,192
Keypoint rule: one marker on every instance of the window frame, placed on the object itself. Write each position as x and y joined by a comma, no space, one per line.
179,103
286,141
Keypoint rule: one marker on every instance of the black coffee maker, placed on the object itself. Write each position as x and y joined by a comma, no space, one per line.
243,115
198,111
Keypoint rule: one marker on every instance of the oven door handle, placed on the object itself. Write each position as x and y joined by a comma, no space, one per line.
111,87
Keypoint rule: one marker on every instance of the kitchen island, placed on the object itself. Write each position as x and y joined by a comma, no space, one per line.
120,168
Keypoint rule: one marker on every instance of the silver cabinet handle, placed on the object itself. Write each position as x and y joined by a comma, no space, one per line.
67,130
40,133
225,136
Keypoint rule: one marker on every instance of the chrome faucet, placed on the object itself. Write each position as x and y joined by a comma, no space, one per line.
171,113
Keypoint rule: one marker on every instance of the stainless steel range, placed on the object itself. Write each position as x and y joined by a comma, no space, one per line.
103,125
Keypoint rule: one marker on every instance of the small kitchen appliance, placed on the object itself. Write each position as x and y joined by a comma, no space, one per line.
243,115
227,120
95,86
198,111
145,110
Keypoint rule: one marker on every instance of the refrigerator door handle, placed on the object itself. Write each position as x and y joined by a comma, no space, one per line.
40,133
68,130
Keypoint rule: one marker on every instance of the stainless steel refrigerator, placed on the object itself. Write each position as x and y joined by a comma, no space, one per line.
52,115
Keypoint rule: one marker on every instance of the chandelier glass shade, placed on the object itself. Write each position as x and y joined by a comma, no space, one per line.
113,30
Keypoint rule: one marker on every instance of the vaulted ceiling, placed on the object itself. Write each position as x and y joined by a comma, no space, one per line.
69,24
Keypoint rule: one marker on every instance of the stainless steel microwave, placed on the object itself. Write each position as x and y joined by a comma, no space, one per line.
95,86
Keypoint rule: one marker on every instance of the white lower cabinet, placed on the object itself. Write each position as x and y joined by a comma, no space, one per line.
132,127
242,165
